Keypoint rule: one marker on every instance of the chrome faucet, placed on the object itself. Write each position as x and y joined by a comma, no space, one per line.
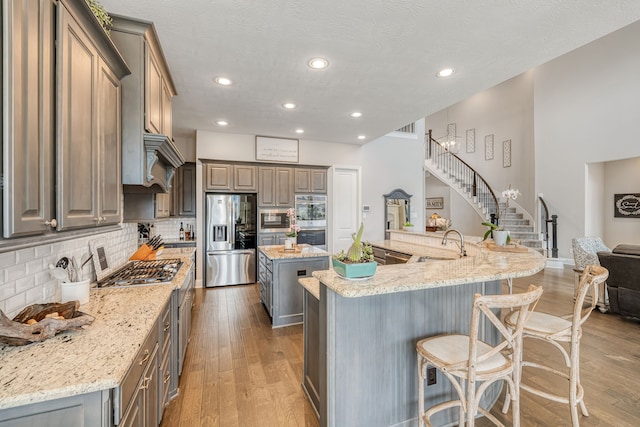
463,251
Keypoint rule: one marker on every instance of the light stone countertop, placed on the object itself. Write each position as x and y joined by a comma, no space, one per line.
94,358
312,285
481,265
303,251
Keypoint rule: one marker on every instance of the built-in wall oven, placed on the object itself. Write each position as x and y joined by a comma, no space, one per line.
311,216
311,210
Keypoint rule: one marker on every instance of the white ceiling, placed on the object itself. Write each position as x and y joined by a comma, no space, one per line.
383,57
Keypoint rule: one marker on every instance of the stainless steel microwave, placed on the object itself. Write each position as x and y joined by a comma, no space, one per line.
273,220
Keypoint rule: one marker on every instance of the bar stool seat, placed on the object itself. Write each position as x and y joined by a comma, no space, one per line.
472,365
563,333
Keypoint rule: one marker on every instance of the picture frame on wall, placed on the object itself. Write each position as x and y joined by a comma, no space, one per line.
506,153
626,205
471,140
281,150
488,147
434,203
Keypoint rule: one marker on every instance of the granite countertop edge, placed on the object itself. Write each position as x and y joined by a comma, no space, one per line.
88,360
482,265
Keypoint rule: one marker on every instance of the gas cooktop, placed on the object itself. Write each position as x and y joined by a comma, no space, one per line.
150,272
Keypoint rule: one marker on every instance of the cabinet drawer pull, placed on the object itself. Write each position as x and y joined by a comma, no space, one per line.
166,327
146,357
167,377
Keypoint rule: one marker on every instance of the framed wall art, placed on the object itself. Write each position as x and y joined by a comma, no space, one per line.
282,150
471,140
626,205
506,153
488,147
434,203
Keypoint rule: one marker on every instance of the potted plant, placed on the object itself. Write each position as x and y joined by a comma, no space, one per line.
408,226
501,236
358,262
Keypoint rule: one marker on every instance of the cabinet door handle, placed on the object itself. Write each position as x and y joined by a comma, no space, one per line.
53,223
166,327
167,377
146,357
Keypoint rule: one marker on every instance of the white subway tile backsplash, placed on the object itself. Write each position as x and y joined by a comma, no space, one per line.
24,284
24,274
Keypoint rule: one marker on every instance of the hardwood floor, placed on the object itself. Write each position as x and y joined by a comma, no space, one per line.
240,372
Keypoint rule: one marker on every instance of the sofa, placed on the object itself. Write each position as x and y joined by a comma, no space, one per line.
623,283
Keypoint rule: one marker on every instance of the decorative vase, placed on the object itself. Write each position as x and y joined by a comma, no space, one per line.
354,271
500,237
289,243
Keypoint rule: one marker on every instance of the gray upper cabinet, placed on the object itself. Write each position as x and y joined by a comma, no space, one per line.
65,115
218,177
310,180
149,156
275,186
230,177
245,178
88,123
183,192
28,117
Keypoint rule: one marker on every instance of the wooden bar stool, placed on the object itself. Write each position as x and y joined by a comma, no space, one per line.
561,332
473,365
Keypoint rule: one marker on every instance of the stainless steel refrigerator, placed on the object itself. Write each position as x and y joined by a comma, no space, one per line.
231,239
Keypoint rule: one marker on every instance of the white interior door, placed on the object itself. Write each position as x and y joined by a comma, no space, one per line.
346,202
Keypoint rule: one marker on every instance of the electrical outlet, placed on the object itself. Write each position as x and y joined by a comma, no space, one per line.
431,375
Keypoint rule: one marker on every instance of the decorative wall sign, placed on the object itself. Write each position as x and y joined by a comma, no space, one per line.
471,140
506,153
488,147
627,205
435,203
277,149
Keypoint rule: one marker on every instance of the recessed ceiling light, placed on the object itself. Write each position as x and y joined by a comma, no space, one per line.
356,114
223,81
361,137
289,105
318,63
445,72
299,130
222,122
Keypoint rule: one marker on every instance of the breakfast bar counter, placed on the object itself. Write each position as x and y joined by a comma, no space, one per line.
368,330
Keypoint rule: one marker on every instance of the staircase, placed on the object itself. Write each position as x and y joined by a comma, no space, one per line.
449,168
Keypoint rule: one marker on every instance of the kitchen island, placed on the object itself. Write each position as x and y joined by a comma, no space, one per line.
278,274
84,377
368,329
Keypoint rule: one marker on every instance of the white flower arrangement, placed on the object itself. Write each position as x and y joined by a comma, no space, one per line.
508,194
294,228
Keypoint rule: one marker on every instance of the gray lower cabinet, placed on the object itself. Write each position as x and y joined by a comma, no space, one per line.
164,358
136,401
184,317
270,239
279,290
85,410
311,333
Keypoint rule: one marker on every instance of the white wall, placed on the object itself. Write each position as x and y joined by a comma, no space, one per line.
506,112
586,111
620,177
